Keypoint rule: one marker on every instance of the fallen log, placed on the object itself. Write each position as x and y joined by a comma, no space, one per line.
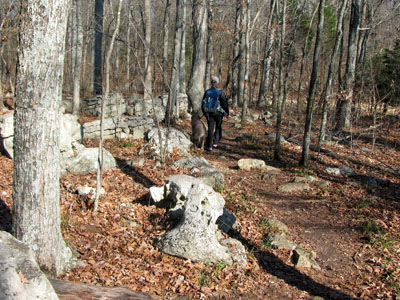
79,291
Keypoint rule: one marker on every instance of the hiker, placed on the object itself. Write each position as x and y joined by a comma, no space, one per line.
214,107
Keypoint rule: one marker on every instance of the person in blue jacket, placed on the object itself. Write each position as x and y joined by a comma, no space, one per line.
214,107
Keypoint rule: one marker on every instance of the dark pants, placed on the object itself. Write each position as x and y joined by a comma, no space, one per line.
214,130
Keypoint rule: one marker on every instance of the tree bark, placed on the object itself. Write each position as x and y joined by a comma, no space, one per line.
98,47
209,45
196,85
246,64
277,146
344,105
313,85
165,44
242,53
266,63
77,38
236,54
331,71
147,66
36,190
174,85
182,55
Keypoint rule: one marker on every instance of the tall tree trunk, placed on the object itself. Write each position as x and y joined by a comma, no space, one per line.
313,85
103,99
236,53
165,44
36,173
77,45
196,85
246,64
147,65
182,56
303,58
266,63
242,53
344,105
209,45
331,71
174,85
277,146
98,47
128,49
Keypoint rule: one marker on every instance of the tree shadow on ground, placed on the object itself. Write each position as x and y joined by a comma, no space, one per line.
5,217
134,173
276,267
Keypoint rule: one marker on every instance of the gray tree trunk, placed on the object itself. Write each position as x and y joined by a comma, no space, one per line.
303,58
236,54
196,85
174,85
36,186
147,66
313,85
344,105
77,45
279,97
128,48
266,63
98,47
209,47
182,56
331,71
242,54
246,64
166,44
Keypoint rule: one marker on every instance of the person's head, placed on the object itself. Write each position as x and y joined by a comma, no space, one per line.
214,81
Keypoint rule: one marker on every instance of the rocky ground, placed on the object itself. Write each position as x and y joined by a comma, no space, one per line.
348,222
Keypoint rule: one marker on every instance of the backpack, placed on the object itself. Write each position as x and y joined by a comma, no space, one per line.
211,103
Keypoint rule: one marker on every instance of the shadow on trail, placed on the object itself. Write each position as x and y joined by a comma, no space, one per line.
276,267
131,171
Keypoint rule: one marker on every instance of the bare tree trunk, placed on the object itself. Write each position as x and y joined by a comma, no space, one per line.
165,44
98,47
196,86
36,173
128,49
174,86
303,58
344,105
209,46
103,99
277,148
331,71
182,56
242,53
313,85
77,38
266,63
246,64
236,53
147,65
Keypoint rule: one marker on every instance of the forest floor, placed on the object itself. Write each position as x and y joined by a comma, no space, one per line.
353,224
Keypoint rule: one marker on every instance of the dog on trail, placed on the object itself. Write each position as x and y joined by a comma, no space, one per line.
199,131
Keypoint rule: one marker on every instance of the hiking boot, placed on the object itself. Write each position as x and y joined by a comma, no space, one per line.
215,146
208,149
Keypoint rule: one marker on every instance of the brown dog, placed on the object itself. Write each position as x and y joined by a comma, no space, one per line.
199,131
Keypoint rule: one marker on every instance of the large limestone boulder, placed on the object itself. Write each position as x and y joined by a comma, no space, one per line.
20,276
86,161
7,134
195,235
177,139
209,174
